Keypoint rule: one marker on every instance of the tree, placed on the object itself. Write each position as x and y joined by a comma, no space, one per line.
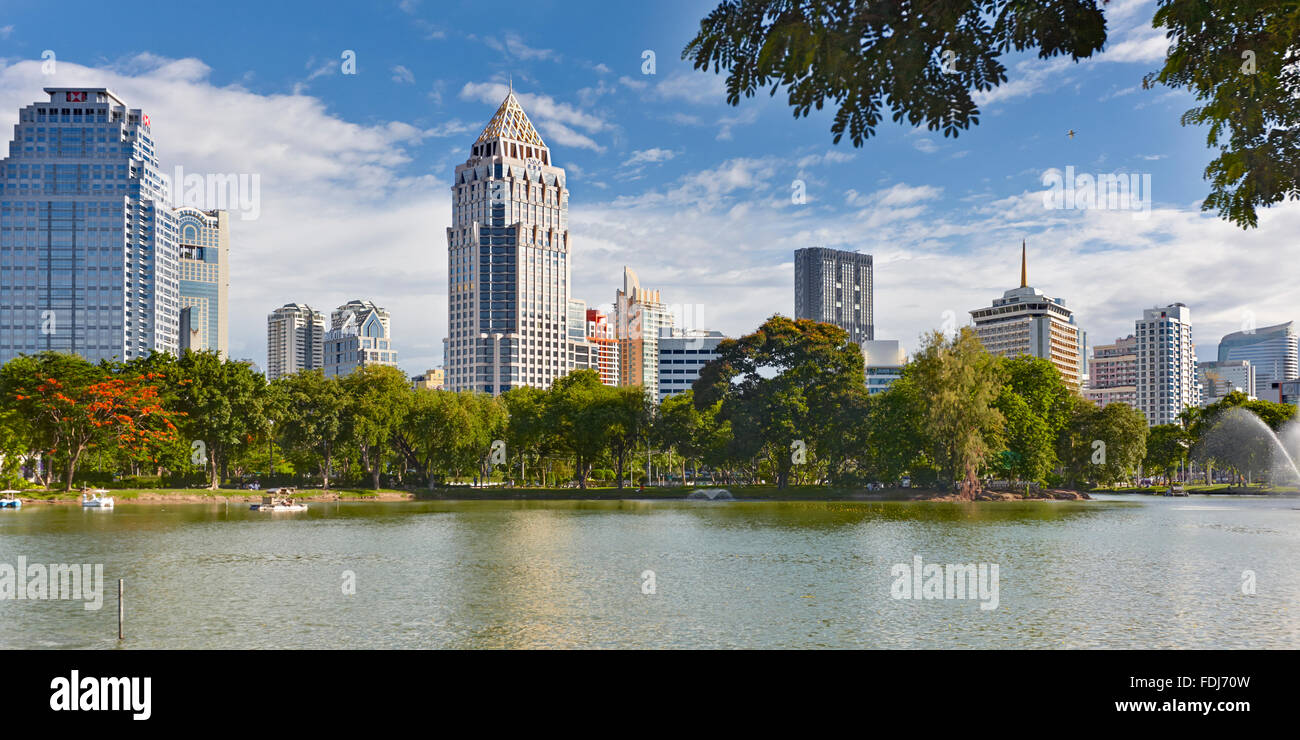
314,408
956,384
580,411
781,385
526,434
70,405
628,414
1036,404
379,397
1167,446
1241,58
224,403
922,60
1102,445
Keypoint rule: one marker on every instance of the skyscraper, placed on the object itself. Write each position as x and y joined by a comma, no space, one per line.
1272,351
835,287
1024,321
88,254
638,316
1166,364
508,260
204,238
360,334
295,340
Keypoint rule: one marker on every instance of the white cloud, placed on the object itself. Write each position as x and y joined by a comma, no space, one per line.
514,46
698,88
649,156
403,75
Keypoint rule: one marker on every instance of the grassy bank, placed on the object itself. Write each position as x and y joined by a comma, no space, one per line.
499,493
198,495
1217,488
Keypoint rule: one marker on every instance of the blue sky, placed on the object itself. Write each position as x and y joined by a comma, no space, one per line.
664,176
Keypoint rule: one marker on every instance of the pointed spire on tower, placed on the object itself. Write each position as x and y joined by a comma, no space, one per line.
1024,271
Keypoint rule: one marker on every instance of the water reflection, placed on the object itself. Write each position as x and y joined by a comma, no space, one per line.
518,574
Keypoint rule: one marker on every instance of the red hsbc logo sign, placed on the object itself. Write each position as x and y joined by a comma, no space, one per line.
75,97
145,117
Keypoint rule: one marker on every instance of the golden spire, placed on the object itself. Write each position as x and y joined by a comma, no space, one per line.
1024,272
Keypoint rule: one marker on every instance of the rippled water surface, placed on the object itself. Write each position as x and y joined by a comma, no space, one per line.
1125,572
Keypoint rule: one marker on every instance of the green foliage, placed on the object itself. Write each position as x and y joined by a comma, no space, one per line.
1239,59
780,388
378,399
957,384
1102,446
1167,446
922,62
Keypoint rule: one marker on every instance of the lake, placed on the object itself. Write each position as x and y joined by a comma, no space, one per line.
1121,572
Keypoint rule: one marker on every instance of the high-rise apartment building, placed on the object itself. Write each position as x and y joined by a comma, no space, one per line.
204,239
508,255
682,354
1024,321
1112,375
1166,363
360,334
88,253
1272,350
639,315
295,340
835,287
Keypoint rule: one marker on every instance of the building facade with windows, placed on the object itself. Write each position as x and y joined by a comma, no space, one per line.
428,380
204,240
508,256
295,340
883,361
834,286
639,316
88,254
603,338
1166,363
1219,378
1112,374
682,354
360,334
1273,351
1025,321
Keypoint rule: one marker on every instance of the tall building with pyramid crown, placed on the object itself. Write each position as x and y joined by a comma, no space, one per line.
508,256
1025,321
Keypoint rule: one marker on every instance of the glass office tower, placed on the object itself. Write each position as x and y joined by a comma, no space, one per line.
88,252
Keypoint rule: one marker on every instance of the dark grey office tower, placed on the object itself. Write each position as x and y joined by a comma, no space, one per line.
834,286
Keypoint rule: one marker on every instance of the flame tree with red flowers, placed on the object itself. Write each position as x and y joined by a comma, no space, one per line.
72,406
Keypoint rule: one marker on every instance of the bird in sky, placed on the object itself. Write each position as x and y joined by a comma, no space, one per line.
1070,133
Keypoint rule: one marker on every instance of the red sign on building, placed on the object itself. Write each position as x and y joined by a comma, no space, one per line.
75,97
